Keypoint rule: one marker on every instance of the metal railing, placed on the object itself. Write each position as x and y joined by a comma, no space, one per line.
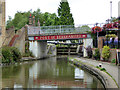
59,29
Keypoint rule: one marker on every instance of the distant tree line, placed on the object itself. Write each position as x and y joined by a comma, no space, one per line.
46,19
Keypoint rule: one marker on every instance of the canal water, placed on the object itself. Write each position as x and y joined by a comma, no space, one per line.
49,73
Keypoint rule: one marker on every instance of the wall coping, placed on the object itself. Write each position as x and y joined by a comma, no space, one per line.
105,79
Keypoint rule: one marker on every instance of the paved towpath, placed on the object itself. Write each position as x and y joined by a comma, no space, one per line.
112,69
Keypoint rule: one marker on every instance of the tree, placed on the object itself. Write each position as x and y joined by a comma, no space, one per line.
49,19
9,22
64,15
38,16
22,18
85,28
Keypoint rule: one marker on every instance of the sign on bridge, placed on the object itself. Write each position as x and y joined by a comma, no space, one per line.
60,37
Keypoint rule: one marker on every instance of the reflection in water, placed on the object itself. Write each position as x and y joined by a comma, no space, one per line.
79,74
48,73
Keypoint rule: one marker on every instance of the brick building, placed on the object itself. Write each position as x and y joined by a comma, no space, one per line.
2,22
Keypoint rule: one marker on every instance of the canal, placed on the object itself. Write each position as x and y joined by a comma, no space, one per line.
49,73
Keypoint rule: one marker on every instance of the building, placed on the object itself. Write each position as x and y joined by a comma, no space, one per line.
2,21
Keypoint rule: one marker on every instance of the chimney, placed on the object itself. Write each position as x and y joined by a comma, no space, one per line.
30,19
38,23
33,20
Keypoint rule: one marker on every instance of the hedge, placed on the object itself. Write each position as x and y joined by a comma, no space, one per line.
10,54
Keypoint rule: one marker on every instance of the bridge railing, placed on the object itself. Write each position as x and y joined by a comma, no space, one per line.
59,29
56,29
33,30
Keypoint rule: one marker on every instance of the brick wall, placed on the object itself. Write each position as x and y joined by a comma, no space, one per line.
100,41
113,53
9,35
20,41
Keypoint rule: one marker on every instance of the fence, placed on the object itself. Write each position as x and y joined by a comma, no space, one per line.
60,29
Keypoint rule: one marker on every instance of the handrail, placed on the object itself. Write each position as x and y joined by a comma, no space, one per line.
56,29
7,37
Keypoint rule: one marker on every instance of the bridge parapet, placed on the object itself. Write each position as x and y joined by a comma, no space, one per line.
66,29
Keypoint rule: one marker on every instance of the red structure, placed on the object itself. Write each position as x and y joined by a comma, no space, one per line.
60,37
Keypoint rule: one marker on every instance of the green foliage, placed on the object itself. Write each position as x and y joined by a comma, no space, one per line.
9,22
72,41
102,69
46,19
57,45
22,18
64,15
106,53
49,19
114,19
85,27
16,54
26,47
7,55
10,54
97,54
110,35
97,66
113,60
38,16
28,54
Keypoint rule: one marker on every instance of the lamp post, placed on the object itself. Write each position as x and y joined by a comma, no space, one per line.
108,20
111,9
118,32
118,24
97,35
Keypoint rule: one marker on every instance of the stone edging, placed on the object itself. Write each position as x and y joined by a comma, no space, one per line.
22,60
105,79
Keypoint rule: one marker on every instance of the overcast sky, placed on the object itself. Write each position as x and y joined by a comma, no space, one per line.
84,11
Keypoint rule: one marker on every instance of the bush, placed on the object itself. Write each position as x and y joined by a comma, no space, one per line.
97,54
113,61
16,54
29,53
7,55
106,53
89,51
26,47
10,54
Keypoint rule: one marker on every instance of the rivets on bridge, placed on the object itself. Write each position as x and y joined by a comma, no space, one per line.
83,35
36,37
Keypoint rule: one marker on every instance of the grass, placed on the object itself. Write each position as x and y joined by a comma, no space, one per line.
104,70
101,69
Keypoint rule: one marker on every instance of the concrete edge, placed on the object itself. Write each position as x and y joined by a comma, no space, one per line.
104,78
25,59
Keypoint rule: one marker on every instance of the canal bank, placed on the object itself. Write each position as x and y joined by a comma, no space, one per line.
91,66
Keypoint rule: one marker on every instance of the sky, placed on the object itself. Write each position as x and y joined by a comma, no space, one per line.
83,11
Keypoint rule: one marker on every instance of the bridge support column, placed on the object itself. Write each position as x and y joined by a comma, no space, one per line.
87,42
39,48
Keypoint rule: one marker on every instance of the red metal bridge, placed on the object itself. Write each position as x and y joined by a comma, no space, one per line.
61,32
